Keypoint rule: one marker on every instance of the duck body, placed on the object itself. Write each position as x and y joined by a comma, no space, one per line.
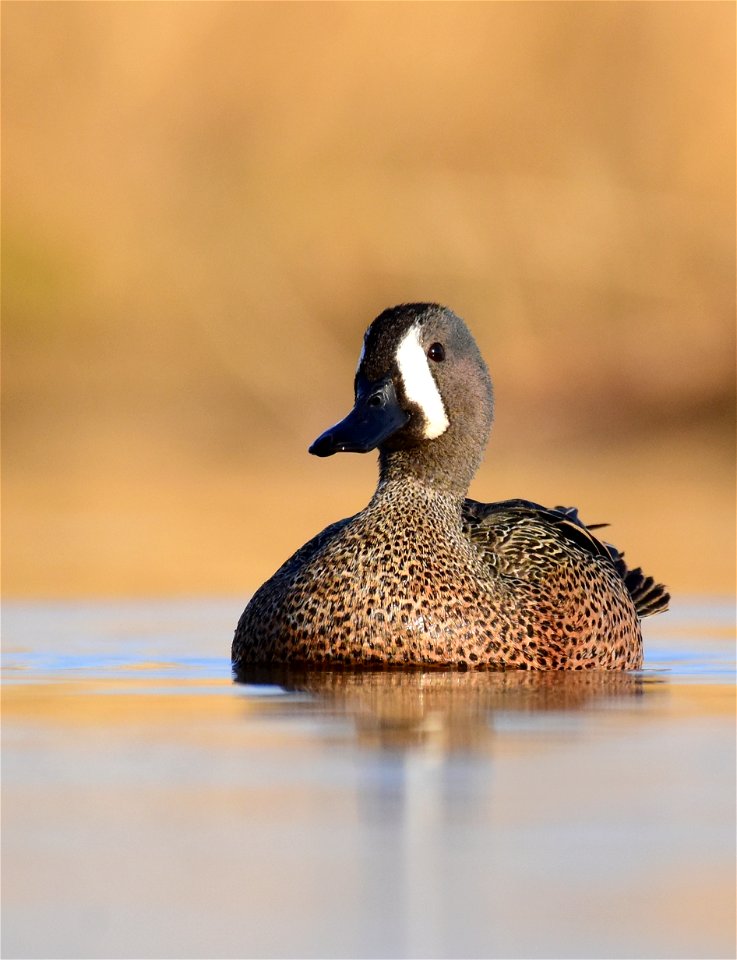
423,575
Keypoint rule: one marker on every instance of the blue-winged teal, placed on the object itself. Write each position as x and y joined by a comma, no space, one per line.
423,575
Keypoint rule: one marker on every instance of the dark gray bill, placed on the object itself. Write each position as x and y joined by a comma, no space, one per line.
375,416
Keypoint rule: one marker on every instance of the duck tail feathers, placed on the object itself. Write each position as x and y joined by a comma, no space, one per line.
648,596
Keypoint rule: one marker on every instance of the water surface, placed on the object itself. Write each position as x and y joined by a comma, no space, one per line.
152,807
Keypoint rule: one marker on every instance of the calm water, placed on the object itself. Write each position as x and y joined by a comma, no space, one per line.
153,808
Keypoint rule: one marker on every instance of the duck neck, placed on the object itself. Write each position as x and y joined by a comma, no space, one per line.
415,506
409,471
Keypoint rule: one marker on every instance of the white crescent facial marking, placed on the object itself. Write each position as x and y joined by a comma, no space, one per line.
419,384
363,354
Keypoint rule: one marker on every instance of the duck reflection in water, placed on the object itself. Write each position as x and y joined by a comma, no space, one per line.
440,787
449,709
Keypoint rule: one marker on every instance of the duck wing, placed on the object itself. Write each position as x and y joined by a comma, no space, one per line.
519,538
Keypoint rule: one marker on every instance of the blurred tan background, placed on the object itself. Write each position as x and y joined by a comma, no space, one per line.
205,204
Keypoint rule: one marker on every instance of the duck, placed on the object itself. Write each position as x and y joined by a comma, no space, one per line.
424,576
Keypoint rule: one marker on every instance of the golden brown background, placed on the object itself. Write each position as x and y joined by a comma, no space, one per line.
205,204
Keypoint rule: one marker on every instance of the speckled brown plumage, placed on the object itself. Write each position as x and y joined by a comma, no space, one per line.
423,575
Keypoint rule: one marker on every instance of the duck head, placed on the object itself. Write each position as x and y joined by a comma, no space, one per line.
423,397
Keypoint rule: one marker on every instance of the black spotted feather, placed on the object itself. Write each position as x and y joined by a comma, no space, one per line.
516,536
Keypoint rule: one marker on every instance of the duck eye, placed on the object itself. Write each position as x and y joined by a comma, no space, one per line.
436,352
